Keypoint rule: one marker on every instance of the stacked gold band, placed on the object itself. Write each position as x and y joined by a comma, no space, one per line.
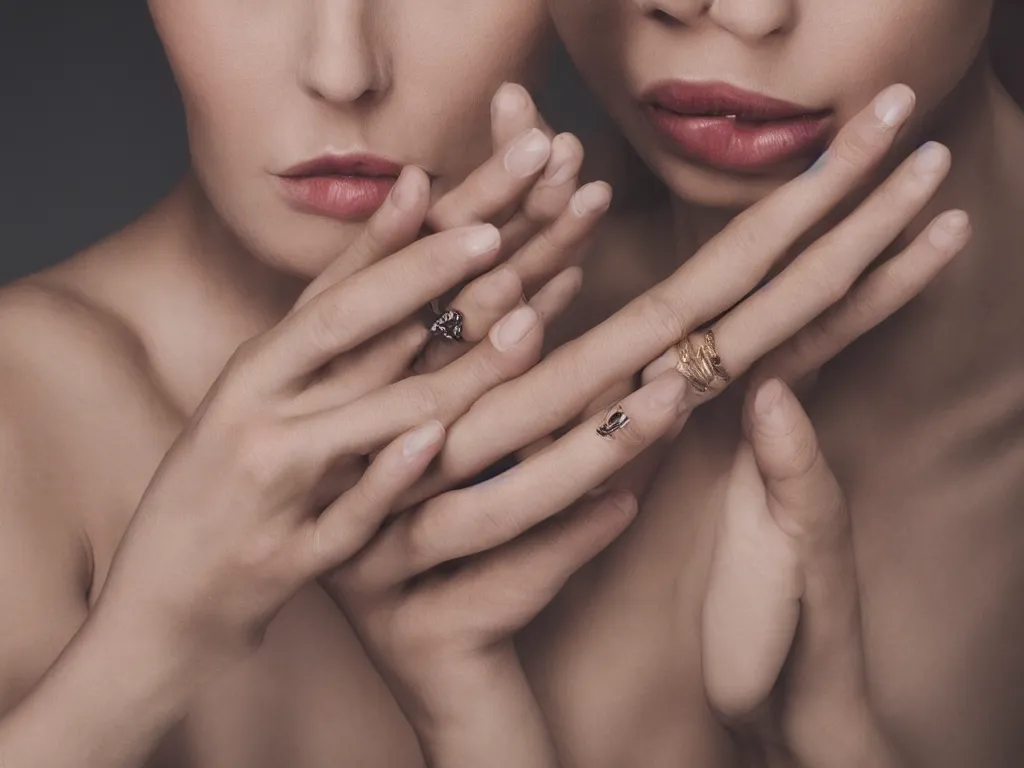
702,367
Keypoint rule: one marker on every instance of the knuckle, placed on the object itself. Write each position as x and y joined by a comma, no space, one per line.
419,538
263,452
422,397
856,147
823,281
666,320
326,318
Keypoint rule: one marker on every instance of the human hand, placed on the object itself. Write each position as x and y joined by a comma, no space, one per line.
783,650
530,190
244,507
437,596
815,303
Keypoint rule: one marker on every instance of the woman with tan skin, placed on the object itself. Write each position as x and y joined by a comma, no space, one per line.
189,406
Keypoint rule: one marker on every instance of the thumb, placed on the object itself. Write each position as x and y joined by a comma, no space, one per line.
807,503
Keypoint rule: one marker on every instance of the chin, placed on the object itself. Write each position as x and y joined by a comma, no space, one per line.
711,188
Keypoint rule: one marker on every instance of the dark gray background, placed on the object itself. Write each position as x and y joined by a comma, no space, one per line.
91,129
90,125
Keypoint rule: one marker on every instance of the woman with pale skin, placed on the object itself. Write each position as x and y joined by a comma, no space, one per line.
676,636
201,564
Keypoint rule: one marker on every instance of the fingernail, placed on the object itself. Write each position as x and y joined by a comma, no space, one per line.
591,199
509,99
666,391
481,240
528,154
422,439
403,193
561,167
894,105
766,404
948,233
513,329
930,158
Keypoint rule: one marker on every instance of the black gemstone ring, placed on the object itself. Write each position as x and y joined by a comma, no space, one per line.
449,325
617,419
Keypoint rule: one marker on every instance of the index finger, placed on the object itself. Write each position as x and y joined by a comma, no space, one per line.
728,268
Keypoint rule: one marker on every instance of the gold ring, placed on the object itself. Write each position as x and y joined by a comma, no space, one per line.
701,367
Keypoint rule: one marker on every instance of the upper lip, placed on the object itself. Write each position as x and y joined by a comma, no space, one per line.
722,100
367,165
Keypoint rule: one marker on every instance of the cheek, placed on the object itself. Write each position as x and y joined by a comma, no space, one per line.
450,80
927,44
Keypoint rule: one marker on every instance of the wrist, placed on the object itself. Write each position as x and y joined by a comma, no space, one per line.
481,711
114,692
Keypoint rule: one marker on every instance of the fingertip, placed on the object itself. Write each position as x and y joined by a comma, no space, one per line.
595,197
510,99
423,440
411,189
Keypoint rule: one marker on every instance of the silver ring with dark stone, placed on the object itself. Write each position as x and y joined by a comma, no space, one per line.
448,325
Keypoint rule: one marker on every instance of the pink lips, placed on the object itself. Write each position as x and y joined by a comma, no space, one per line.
731,129
347,187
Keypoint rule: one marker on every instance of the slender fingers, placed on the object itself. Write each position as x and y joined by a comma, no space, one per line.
513,111
350,313
393,227
825,272
549,196
881,294
361,427
482,517
493,186
557,244
529,572
807,503
557,295
752,601
717,277
352,519
734,262
549,303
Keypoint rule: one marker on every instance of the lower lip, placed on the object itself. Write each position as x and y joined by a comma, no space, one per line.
733,145
338,197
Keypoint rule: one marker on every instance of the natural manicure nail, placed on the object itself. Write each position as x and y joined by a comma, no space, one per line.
591,198
948,233
511,98
513,329
481,240
930,158
528,154
894,105
423,439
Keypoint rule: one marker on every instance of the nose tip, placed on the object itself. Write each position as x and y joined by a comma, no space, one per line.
344,63
749,20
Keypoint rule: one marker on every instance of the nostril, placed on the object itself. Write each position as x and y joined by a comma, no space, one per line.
663,17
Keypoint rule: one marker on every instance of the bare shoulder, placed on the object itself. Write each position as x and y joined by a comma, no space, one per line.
77,401
66,369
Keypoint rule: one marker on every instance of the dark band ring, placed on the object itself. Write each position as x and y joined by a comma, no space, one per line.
617,419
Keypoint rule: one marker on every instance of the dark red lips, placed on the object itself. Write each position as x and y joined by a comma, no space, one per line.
347,187
730,129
